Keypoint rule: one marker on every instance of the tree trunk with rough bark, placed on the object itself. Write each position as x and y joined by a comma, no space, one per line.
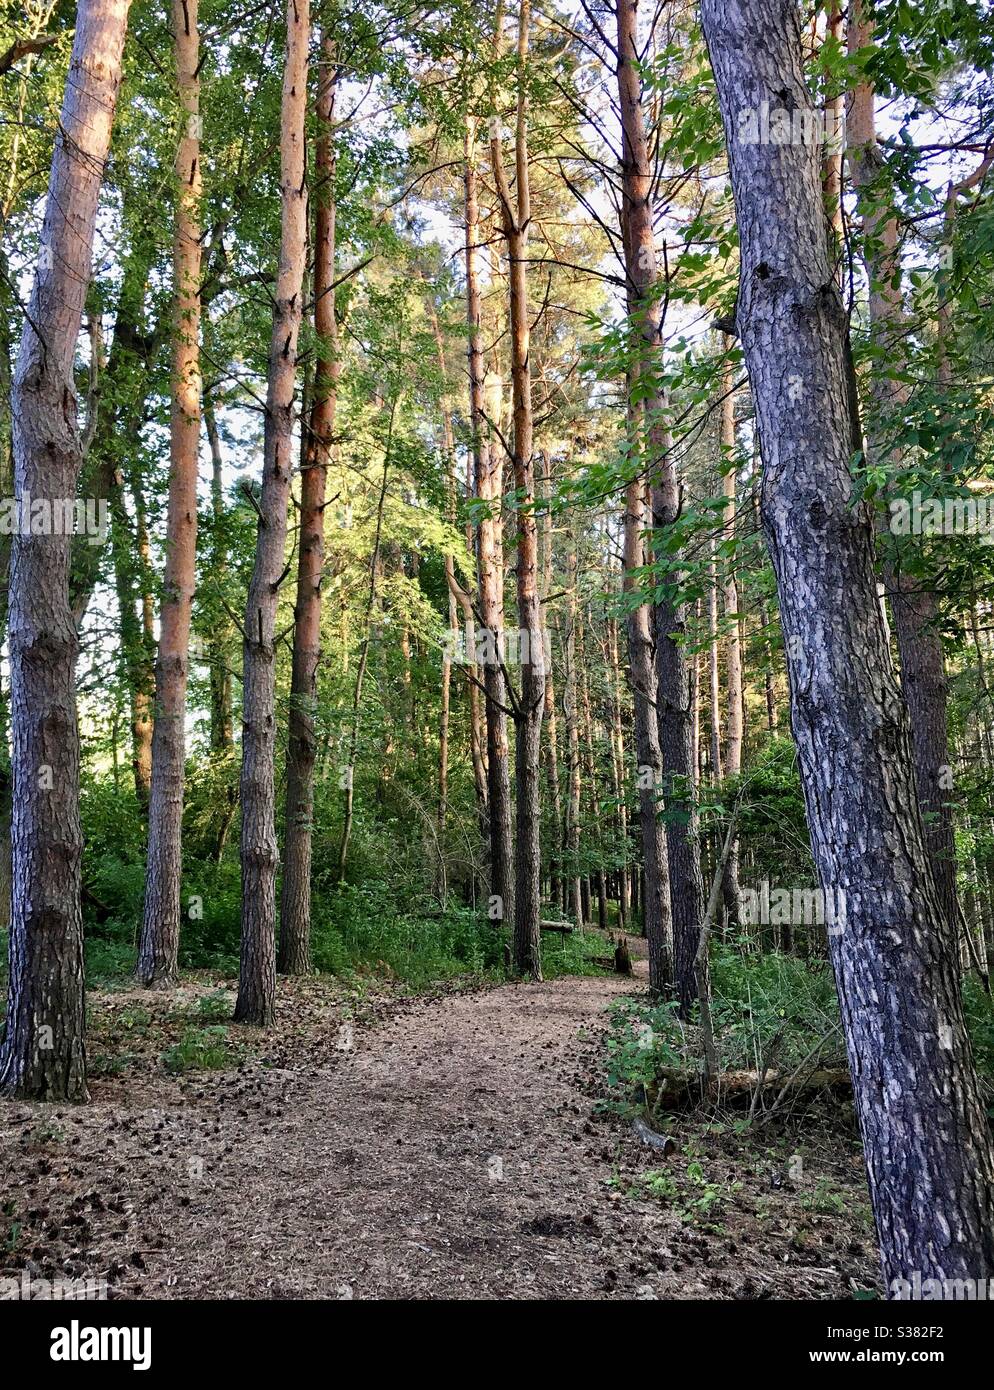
571,718
549,713
656,912
926,1139
734,721
530,706
43,1054
294,954
158,947
256,1001
485,405
672,668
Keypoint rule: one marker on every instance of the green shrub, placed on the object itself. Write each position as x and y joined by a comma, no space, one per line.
770,1010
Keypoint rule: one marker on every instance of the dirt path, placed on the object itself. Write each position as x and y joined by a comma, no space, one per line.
444,1156
449,1152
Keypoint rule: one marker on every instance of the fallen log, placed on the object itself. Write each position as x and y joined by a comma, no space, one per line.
680,1086
663,1142
563,928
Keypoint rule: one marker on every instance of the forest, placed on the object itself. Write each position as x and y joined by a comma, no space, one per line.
497,619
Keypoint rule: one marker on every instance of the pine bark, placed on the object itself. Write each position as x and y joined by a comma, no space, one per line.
222,733
672,668
158,948
734,718
656,912
489,560
571,717
294,956
926,1139
530,706
42,1056
549,715
256,1002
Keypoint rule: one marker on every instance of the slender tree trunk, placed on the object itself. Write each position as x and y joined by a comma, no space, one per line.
449,453
6,489
596,880
914,608
730,590
129,562
294,955
926,1139
484,402
832,165
656,913
222,732
549,712
530,707
256,1001
43,1054
714,678
618,770
734,720
158,947
571,715
672,673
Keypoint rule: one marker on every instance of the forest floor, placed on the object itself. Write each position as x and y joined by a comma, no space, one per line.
442,1146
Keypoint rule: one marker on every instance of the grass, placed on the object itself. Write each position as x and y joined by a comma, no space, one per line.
200,1049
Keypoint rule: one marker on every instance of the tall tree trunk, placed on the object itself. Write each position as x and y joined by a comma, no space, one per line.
730,589
484,403
590,758
529,708
733,646
656,913
832,164
571,716
256,1001
449,453
769,673
926,1140
294,955
43,1054
158,948
549,712
914,608
695,703
672,674
6,490
222,733
618,770
130,565
714,677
